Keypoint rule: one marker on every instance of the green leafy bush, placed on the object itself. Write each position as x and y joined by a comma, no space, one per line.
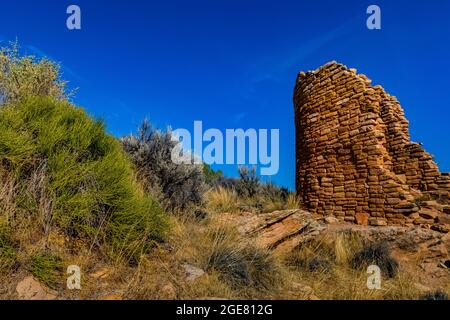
47,268
87,176
210,174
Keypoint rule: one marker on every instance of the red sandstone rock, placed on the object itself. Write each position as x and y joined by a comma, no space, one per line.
428,213
279,230
362,218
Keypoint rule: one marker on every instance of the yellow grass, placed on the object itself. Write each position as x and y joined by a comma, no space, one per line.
222,200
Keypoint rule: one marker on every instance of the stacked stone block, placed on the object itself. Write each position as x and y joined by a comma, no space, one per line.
354,157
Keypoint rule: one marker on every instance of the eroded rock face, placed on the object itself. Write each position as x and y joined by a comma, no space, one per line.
279,230
421,252
354,158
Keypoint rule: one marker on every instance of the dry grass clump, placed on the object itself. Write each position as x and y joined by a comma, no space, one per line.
293,201
242,266
222,200
227,200
281,202
376,254
232,265
348,284
324,252
156,277
248,193
335,267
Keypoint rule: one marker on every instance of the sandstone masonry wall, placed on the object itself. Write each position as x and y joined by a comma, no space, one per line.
354,157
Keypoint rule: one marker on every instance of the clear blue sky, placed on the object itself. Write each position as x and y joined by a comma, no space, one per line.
233,63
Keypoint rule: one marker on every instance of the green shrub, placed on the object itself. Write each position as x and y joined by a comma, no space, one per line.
211,175
8,255
87,175
47,268
25,76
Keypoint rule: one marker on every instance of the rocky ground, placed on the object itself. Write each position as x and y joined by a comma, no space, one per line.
421,251
422,255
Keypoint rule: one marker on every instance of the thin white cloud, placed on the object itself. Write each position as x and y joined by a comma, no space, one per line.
41,54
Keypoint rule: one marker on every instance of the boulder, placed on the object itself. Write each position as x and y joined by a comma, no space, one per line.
279,230
30,289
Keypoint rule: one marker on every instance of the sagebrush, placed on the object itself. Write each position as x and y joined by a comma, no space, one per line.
179,186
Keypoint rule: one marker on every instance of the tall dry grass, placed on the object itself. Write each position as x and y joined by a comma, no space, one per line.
222,200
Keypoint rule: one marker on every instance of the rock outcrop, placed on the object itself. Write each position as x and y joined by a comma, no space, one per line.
355,160
420,251
280,231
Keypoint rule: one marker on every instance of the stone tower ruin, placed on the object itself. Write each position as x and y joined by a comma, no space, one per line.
354,157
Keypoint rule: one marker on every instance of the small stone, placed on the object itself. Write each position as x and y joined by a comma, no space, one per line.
330,220
305,291
192,273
